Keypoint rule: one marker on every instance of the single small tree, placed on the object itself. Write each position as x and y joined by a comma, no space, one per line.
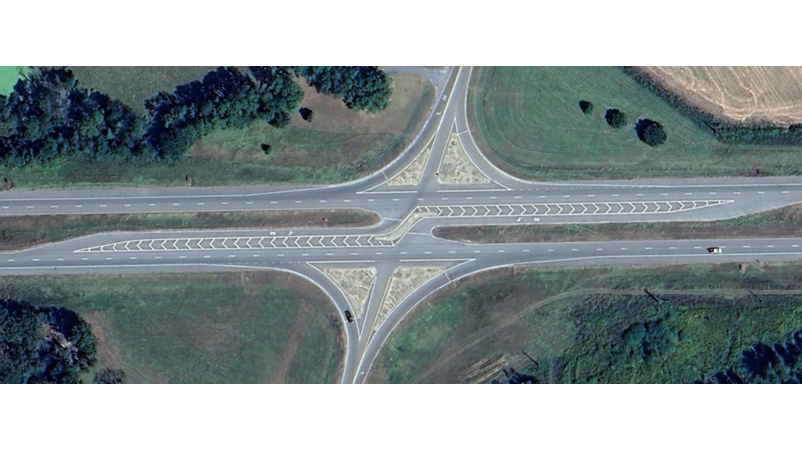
109,376
615,118
586,106
267,148
307,114
650,132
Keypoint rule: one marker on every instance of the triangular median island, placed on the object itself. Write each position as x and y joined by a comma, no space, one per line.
403,281
411,175
456,167
356,284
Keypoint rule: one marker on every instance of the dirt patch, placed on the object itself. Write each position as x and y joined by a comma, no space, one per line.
356,284
456,167
18,232
411,175
293,339
740,94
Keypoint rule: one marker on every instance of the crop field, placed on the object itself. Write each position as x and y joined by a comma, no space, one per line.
587,325
249,327
529,123
9,76
18,232
782,222
338,145
737,94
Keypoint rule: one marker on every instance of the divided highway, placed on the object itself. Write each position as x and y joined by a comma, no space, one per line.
403,237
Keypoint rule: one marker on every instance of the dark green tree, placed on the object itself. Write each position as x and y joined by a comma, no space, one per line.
586,106
650,132
615,118
109,376
307,114
360,87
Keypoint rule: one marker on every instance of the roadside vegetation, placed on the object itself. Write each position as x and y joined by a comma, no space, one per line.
57,131
249,327
527,120
19,232
676,324
781,222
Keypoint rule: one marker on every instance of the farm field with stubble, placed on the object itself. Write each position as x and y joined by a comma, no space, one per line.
338,145
528,122
738,94
246,327
594,325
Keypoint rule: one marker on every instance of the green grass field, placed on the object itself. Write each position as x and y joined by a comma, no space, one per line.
249,327
528,121
574,322
9,76
339,145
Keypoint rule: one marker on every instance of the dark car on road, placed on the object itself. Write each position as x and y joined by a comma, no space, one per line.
713,249
348,316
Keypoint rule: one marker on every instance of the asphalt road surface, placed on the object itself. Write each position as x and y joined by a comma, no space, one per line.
403,238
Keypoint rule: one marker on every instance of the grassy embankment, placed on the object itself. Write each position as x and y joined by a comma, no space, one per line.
249,327
338,145
528,121
782,222
17,232
583,325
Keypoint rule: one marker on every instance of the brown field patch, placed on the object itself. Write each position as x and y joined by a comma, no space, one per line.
740,94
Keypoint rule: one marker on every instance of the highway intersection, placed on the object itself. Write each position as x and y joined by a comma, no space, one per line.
413,194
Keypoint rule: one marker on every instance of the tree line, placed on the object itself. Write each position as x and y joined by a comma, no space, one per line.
50,115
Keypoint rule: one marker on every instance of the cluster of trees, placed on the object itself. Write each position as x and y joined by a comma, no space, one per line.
724,131
48,115
360,87
43,345
224,98
47,345
763,363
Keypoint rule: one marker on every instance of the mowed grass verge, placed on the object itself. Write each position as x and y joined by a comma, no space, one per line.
528,122
781,222
573,323
249,327
18,232
338,145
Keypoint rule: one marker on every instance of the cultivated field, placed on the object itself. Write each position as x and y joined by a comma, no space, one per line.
9,76
782,222
249,327
578,324
338,145
528,121
737,94
18,232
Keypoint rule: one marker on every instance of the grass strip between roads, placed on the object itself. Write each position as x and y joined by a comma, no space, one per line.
246,327
18,232
782,222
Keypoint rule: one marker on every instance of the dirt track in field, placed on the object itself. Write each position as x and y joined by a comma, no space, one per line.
740,94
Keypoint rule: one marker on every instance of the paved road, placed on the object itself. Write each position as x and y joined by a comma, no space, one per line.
403,237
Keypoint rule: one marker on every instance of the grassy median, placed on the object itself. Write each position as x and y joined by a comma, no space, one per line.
594,325
18,232
249,327
782,222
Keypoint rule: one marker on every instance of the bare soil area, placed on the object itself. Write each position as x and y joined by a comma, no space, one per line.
740,94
